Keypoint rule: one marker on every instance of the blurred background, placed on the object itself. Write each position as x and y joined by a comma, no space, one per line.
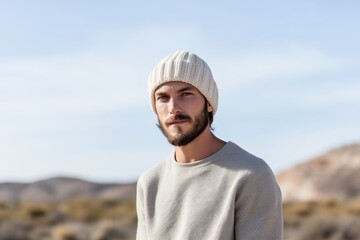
74,106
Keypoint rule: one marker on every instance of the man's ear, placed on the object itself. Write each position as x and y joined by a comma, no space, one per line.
209,107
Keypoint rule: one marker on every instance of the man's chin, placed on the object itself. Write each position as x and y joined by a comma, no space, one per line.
180,141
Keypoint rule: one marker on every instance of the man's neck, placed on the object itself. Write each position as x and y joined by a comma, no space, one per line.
205,145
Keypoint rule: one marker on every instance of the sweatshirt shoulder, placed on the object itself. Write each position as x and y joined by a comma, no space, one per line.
248,168
154,173
238,158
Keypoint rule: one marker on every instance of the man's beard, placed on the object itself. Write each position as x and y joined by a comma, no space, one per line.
199,124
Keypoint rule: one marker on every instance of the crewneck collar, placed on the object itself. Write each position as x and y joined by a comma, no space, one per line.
202,162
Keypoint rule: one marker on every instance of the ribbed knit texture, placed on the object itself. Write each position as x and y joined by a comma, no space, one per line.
231,195
185,67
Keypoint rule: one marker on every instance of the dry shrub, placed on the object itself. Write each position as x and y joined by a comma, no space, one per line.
4,205
15,231
6,211
327,220
39,212
69,231
83,210
325,228
126,211
354,207
110,230
109,203
41,233
299,209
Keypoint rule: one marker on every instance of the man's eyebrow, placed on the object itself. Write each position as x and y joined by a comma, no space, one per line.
160,93
157,93
184,89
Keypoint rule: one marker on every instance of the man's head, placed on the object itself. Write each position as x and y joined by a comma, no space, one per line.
187,67
184,96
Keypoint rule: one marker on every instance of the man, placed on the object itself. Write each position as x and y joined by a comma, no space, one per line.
207,188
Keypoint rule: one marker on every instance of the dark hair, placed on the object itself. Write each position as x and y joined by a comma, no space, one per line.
210,116
211,119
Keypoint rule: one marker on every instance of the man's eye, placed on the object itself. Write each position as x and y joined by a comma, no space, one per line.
161,98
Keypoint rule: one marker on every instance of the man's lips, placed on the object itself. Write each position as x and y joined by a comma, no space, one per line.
177,122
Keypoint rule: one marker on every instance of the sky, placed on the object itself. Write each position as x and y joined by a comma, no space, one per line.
73,81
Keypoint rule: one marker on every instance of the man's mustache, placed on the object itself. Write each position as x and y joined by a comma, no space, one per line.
177,117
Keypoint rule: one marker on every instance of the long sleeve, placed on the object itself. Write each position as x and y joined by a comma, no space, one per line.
258,208
141,228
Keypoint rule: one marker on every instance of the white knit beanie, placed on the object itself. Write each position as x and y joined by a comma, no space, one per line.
185,67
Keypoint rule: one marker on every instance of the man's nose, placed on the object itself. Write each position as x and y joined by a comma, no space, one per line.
174,106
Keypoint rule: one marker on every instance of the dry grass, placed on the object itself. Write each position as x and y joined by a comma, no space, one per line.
74,220
329,220
111,220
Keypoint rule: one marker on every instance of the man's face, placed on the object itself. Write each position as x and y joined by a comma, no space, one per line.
182,112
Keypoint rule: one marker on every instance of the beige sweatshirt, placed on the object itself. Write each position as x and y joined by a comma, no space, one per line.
229,195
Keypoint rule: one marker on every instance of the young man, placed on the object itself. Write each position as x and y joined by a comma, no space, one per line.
207,188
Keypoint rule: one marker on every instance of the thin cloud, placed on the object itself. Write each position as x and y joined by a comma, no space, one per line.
80,82
275,63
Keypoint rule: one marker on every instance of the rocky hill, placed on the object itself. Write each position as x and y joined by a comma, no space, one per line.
333,175
63,189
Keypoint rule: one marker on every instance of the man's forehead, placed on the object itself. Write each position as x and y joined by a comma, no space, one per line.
176,86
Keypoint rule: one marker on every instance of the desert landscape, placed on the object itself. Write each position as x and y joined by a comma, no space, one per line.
321,201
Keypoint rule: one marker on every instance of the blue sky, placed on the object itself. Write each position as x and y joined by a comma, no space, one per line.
73,81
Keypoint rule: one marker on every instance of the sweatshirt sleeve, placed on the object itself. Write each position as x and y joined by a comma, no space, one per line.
258,208
141,228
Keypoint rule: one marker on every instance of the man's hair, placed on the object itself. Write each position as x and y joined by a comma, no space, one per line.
211,117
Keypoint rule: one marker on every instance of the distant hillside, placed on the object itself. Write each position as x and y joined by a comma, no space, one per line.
63,189
333,175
